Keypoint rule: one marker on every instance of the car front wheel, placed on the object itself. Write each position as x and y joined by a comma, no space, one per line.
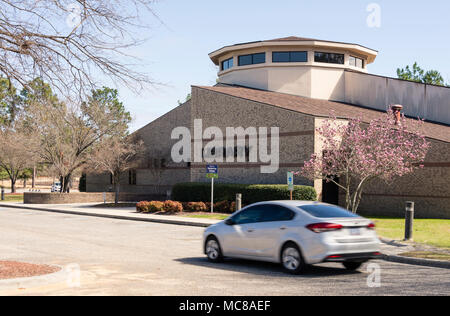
213,251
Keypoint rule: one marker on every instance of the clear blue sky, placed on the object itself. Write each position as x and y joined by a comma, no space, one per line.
176,53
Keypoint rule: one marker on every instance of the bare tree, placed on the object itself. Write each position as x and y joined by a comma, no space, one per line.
67,134
16,153
115,156
70,43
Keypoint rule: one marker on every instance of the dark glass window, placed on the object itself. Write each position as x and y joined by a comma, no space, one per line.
227,64
281,57
245,60
276,213
326,211
251,215
259,58
330,58
289,57
132,177
299,57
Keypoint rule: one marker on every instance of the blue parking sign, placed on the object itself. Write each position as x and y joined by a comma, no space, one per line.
212,169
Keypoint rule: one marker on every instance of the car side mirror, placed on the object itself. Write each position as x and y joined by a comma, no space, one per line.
230,222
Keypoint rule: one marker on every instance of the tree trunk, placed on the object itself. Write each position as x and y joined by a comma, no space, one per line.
61,180
66,183
13,185
33,179
116,198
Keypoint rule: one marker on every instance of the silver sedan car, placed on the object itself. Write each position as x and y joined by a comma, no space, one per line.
295,234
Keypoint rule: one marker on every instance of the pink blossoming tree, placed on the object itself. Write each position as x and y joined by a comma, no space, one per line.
357,153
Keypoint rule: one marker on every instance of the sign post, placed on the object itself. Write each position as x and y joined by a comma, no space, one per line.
290,181
212,172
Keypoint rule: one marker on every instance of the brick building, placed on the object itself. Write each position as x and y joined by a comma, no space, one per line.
294,84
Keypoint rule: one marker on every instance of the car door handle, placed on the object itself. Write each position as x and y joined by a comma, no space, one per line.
250,230
283,228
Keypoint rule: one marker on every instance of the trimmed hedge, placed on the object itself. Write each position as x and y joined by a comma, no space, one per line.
157,207
200,192
195,207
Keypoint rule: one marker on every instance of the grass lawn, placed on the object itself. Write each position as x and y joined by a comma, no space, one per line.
434,232
13,198
208,215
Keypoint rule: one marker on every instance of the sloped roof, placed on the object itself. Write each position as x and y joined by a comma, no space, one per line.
318,108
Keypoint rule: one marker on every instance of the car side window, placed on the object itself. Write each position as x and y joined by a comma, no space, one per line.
248,216
276,213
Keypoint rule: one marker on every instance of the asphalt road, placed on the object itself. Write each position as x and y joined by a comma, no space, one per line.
136,258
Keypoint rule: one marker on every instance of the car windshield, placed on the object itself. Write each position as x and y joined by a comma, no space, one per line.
326,211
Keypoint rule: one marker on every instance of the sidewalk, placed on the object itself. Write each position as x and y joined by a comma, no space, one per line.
125,213
391,249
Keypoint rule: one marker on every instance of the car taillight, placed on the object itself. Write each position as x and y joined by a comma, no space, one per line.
371,226
324,227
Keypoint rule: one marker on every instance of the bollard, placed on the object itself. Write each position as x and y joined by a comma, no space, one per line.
238,202
3,194
409,224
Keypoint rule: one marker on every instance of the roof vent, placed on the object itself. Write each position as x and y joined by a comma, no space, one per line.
397,110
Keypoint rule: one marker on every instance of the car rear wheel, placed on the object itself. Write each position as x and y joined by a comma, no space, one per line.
291,259
213,250
352,266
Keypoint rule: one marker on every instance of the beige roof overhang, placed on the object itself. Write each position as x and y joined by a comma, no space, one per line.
299,42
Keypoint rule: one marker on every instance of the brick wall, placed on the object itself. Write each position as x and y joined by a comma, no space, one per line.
72,198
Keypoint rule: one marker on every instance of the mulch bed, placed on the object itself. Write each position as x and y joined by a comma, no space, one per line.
113,205
13,270
184,213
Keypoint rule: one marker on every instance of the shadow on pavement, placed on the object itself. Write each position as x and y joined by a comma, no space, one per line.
267,268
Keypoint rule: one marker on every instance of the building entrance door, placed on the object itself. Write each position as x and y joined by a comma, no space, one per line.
330,192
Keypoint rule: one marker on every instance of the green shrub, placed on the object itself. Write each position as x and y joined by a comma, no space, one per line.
198,192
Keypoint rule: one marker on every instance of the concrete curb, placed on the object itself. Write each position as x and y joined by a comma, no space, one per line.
418,261
120,217
36,281
413,261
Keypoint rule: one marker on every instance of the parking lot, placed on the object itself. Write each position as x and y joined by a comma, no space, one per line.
136,258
